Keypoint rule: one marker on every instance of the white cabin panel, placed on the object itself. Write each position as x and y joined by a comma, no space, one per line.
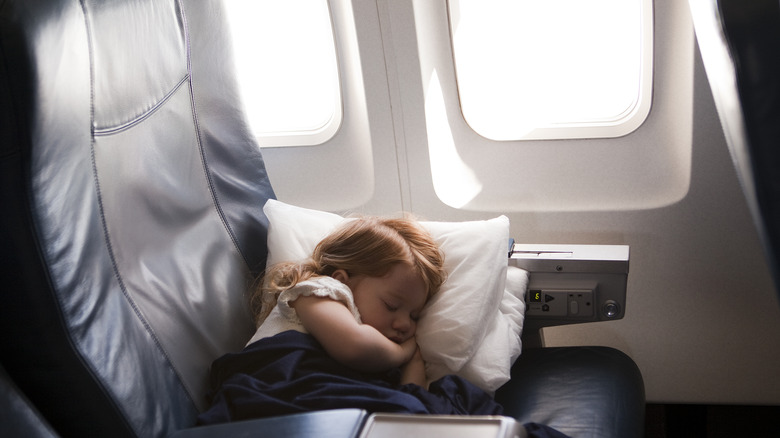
702,320
357,169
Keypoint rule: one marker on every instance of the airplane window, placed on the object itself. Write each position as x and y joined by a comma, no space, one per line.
541,69
287,69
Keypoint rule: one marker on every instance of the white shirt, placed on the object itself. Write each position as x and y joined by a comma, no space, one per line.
283,317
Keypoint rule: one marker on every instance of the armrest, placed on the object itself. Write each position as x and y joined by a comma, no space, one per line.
337,423
583,392
571,284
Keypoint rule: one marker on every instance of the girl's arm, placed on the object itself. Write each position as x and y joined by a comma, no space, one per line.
414,371
355,345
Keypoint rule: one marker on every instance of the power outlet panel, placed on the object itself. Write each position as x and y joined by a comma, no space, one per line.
573,283
560,302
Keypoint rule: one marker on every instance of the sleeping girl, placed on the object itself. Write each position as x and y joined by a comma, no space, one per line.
338,331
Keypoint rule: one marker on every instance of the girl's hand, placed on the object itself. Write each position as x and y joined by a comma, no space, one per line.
413,371
410,349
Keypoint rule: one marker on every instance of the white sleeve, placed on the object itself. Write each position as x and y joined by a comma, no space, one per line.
326,287
283,317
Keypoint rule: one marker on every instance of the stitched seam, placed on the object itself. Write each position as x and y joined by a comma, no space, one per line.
210,183
79,350
127,125
204,161
139,314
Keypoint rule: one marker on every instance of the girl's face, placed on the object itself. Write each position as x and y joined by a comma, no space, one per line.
392,303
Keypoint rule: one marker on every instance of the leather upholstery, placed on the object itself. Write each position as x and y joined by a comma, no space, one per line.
132,218
584,392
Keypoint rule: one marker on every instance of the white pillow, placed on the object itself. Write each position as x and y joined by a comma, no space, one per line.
490,366
471,327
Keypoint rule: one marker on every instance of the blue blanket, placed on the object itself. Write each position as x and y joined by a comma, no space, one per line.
291,373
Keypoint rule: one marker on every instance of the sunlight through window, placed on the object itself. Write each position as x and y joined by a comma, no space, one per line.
287,69
552,68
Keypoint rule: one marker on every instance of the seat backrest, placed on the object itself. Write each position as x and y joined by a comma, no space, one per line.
130,209
740,47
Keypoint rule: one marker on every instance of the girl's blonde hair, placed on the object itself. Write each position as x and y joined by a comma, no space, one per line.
363,246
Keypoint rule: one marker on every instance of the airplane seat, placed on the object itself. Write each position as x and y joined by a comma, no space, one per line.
740,47
131,222
589,391
131,210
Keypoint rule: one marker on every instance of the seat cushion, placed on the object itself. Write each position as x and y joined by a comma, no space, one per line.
581,391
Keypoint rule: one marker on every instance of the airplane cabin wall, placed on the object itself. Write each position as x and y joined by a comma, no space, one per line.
702,321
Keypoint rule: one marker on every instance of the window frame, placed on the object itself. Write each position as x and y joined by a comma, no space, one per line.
303,137
619,126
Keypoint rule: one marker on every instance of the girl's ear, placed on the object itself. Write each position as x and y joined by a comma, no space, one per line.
341,275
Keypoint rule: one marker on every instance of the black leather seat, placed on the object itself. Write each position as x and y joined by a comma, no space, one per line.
131,210
580,391
131,222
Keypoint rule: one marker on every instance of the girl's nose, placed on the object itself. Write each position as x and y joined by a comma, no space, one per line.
402,324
